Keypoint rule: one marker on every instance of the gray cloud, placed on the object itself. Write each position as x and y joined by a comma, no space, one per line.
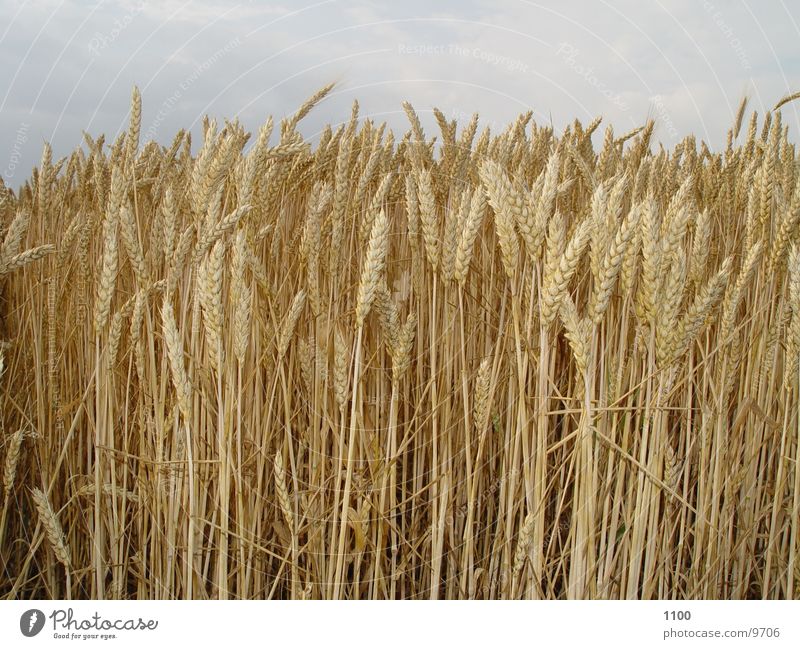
69,65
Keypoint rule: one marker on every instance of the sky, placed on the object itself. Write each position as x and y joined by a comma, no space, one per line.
68,66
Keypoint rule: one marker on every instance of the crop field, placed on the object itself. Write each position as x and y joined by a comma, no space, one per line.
452,364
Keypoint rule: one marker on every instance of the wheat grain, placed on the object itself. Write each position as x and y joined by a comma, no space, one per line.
611,265
52,527
576,331
482,398
290,322
428,217
108,271
372,269
284,501
13,448
496,186
180,378
558,277
466,240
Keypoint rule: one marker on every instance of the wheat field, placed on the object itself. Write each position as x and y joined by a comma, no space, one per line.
399,366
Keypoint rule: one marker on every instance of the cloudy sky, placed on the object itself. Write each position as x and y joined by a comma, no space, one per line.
69,65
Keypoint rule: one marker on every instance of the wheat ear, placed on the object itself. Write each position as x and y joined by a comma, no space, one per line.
52,527
373,267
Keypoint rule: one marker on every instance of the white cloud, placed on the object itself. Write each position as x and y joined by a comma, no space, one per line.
70,65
